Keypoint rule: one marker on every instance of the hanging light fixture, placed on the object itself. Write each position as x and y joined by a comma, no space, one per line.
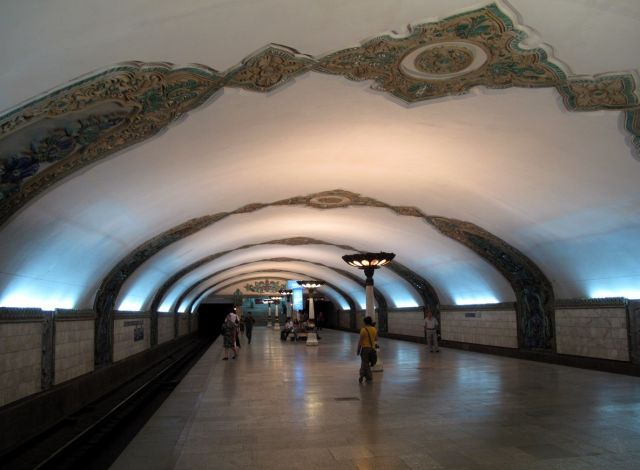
312,336
369,262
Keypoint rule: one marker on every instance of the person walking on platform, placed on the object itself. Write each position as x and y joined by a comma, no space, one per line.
431,331
366,349
229,330
248,326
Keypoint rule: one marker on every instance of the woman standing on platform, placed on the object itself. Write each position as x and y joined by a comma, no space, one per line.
229,331
366,348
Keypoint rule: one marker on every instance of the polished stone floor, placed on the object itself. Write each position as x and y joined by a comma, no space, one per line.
288,406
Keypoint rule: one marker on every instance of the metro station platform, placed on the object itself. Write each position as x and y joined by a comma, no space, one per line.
286,405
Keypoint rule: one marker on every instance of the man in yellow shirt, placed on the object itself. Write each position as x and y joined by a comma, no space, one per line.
366,347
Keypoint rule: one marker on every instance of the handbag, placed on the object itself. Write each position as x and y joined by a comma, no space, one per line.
373,356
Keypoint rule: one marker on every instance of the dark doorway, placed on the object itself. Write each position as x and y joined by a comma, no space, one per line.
211,317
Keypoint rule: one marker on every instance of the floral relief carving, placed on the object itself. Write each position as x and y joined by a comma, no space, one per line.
486,30
150,96
608,92
268,69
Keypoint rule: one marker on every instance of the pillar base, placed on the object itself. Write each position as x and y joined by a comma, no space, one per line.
312,339
269,324
276,326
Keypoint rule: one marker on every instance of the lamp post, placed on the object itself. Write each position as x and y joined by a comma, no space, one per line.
369,262
312,336
276,316
268,302
288,295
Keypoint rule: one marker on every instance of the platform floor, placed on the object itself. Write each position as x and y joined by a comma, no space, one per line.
286,405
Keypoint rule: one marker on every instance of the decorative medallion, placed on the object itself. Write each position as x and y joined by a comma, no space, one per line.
444,60
481,47
330,201
268,69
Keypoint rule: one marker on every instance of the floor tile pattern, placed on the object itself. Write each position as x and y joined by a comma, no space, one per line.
289,406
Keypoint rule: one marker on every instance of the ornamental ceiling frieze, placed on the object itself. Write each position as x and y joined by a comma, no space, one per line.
481,47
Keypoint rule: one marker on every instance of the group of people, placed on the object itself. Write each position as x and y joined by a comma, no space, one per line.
367,342
291,327
231,329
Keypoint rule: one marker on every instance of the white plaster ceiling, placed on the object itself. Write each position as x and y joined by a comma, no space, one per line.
559,186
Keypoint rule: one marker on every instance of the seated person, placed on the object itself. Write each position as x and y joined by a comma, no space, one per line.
297,328
288,328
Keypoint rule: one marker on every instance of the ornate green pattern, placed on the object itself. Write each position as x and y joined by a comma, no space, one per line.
534,293
613,91
444,60
268,69
381,59
155,94
150,96
632,125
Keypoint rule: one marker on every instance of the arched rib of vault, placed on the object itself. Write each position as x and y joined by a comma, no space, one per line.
351,285
108,292
215,278
111,286
426,292
151,96
535,296
335,293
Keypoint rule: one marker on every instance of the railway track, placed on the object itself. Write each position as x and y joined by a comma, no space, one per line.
94,436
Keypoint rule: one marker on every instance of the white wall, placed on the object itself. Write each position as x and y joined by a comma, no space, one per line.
166,329
183,324
74,348
20,360
124,344
408,323
344,318
487,327
593,332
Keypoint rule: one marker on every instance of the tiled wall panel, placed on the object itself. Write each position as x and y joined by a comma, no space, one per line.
126,336
74,349
20,360
593,332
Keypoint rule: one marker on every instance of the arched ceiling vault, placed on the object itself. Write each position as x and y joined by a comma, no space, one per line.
332,291
416,281
114,108
219,277
498,136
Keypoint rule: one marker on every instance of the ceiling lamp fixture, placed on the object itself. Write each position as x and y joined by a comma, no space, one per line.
288,294
268,301
312,336
276,315
369,262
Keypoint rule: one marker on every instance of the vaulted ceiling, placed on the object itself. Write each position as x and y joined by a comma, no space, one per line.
495,148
